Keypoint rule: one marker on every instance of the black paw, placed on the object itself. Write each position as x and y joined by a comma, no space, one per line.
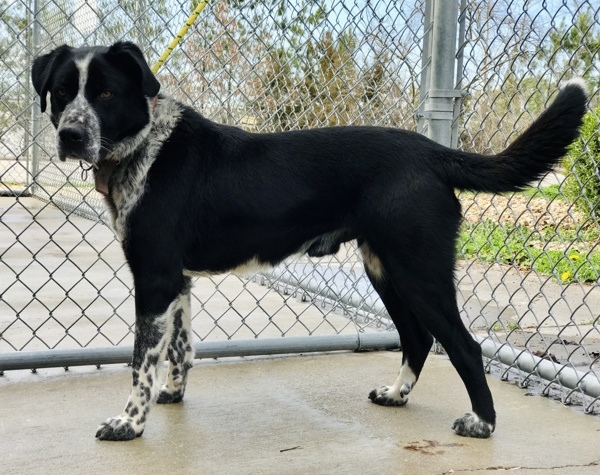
118,428
384,397
470,425
165,397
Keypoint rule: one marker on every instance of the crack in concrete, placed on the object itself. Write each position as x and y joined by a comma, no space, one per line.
521,467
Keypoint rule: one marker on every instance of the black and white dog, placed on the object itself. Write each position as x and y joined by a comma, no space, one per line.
189,197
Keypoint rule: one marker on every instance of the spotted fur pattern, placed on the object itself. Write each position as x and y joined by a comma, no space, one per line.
173,328
138,153
470,425
80,114
179,353
171,333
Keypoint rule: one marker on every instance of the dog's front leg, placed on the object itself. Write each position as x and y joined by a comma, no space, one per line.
152,336
179,352
146,356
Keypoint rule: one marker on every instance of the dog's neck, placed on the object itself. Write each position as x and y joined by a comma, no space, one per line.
105,168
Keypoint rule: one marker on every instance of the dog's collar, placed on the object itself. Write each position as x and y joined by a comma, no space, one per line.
104,170
102,174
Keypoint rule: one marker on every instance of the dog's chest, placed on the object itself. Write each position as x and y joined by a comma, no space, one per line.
127,188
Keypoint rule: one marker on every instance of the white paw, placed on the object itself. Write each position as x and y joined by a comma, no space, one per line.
388,396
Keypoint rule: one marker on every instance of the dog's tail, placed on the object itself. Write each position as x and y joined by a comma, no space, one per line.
533,154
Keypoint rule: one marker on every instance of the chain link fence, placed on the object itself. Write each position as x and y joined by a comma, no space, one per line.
529,262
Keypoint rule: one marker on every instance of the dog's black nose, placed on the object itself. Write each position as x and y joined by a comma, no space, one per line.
71,135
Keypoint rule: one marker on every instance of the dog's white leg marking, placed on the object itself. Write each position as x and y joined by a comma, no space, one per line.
179,352
371,262
397,394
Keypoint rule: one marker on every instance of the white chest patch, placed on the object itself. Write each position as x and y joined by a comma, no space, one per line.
141,150
246,269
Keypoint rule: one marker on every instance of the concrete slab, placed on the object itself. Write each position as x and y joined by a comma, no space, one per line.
287,415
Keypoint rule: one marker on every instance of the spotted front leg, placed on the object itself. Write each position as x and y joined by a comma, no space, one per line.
130,423
153,337
179,353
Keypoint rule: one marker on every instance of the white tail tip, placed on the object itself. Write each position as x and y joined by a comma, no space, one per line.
577,82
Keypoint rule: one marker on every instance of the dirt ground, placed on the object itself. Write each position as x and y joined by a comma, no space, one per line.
536,212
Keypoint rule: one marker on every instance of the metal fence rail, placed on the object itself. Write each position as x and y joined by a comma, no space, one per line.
471,73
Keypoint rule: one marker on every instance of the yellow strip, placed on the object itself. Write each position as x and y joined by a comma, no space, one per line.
175,41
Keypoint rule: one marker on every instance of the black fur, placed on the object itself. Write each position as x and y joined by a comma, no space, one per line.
216,197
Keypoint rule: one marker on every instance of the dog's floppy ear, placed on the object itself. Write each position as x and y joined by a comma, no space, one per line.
131,53
41,72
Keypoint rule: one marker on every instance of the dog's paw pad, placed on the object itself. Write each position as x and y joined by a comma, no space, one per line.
167,397
118,428
384,396
470,425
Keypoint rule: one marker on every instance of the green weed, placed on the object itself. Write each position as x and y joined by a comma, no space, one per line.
524,248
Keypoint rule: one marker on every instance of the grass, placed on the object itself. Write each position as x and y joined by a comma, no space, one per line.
520,246
510,326
590,322
12,183
532,249
550,192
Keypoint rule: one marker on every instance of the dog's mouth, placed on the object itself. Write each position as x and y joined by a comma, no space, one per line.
64,157
75,143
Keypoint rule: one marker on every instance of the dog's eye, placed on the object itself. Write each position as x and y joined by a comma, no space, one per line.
106,94
61,91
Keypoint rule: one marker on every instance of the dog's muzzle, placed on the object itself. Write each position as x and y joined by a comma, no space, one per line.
72,143
78,134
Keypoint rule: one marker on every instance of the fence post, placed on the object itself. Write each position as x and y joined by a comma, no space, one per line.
36,114
425,67
439,105
462,21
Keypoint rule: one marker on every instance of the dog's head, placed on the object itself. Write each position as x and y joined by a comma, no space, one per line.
99,97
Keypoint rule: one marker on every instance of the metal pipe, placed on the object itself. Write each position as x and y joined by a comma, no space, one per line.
355,300
568,377
207,349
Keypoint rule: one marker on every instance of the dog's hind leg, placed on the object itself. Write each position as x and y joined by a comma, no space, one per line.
416,341
413,234
427,287
437,303
159,297
179,353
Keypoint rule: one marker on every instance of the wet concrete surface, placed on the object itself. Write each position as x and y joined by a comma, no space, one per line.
287,415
